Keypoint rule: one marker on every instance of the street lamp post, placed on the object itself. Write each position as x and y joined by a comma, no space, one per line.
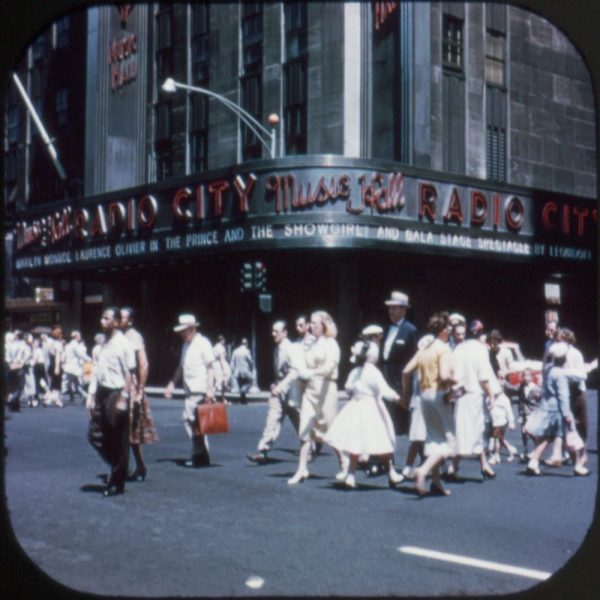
267,138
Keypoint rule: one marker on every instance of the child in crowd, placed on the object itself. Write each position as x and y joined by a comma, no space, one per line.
529,395
502,416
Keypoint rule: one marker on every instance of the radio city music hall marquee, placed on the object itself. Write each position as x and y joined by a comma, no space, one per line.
310,205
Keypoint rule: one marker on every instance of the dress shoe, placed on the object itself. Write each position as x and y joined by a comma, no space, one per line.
138,475
350,481
113,490
299,477
257,457
581,471
488,474
341,476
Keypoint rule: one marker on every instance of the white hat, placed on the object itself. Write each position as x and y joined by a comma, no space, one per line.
186,321
372,330
398,299
558,350
456,318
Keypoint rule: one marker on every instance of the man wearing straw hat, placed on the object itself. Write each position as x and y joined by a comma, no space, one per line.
196,370
398,347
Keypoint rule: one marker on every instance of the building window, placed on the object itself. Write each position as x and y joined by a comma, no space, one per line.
38,48
13,125
200,43
164,43
199,151
62,32
62,106
162,130
163,108
452,45
199,132
11,166
496,118
494,58
36,90
252,102
163,161
295,77
198,104
251,81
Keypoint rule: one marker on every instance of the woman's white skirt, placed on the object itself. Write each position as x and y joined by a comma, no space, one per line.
417,431
469,419
439,423
363,426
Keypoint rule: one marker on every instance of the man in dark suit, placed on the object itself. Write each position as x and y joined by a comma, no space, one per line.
398,347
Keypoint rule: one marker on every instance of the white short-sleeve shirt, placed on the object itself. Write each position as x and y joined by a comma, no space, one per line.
471,365
116,359
196,357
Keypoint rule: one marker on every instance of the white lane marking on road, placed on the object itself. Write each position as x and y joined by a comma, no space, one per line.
474,562
255,582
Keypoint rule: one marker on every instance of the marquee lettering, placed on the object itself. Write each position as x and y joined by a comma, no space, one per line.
454,211
244,190
427,201
478,208
180,204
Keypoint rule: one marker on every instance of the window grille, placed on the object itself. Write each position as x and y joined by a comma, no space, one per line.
452,43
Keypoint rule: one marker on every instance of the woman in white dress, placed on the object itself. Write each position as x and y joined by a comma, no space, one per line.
320,397
364,426
434,367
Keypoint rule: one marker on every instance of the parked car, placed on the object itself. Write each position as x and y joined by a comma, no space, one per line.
520,363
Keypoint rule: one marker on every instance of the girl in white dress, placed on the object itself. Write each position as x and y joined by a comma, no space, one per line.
364,426
320,397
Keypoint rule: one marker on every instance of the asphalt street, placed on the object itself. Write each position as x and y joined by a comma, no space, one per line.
237,529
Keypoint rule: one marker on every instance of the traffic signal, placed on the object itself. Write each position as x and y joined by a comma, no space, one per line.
246,277
260,276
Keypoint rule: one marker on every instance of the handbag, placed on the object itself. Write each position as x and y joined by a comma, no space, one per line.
573,440
211,417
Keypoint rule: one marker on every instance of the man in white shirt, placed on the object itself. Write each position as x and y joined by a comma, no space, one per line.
17,354
196,371
108,401
286,365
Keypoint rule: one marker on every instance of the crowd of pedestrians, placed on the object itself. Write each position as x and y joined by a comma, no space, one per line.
448,390
43,369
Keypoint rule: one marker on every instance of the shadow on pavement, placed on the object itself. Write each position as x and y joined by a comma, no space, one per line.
98,489
183,463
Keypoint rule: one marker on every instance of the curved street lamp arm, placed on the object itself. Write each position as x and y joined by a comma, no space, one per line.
258,129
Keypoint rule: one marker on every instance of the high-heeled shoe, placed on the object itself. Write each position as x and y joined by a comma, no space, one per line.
138,475
395,478
299,477
488,474
350,481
